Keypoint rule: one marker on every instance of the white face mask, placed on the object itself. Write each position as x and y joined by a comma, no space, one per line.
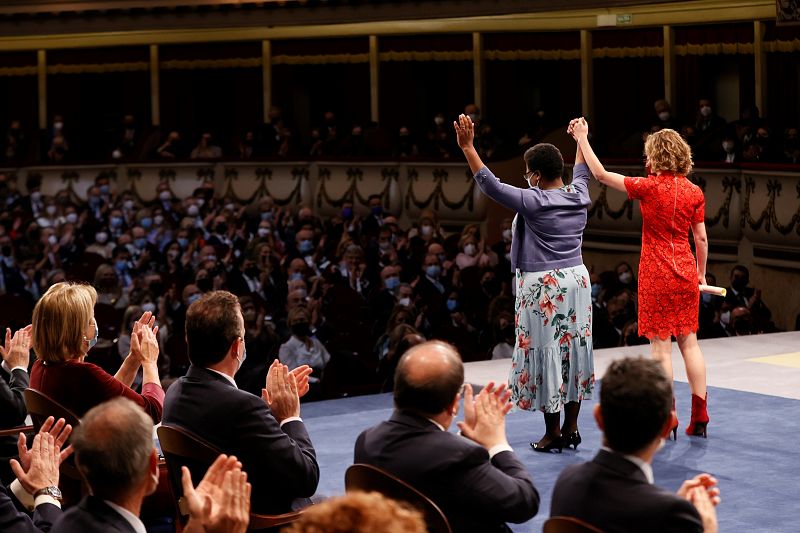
101,237
149,306
727,146
663,116
506,235
405,302
263,232
51,210
72,218
705,111
625,278
439,121
426,230
470,249
725,318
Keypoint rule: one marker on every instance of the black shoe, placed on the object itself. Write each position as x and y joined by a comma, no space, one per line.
572,439
550,447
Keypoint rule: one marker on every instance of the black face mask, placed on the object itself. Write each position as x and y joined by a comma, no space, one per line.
301,329
157,288
739,283
632,339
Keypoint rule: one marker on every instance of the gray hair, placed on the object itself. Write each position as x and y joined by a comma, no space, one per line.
113,444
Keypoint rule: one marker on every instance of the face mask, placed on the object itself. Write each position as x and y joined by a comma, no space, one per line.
105,190
252,272
194,297
663,116
301,329
438,121
149,306
116,222
230,207
727,146
52,239
101,237
705,111
94,202
451,305
470,249
433,271
507,235
93,340
391,282
473,117
128,204
263,232
725,318
121,265
51,210
140,243
266,215
738,284
385,245
377,210
405,302
211,257
596,291
36,196
164,195
625,278
441,257
221,228
347,213
294,276
146,222
426,230
306,246
184,242
72,218
244,356
173,254
158,219
58,125
249,316
192,210
619,321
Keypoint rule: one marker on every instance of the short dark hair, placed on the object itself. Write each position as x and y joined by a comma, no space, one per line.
635,401
212,324
431,396
741,268
546,159
113,444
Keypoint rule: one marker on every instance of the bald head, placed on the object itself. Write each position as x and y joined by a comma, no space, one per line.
113,445
428,378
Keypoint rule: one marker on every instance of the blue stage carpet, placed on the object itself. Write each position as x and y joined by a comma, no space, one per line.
751,450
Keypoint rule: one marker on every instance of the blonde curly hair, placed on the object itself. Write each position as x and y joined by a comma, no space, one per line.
666,151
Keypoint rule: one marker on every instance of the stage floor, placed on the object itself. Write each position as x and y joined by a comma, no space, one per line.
751,449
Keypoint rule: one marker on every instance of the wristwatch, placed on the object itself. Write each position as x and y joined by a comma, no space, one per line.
53,492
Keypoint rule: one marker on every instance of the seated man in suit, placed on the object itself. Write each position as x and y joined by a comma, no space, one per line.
477,481
114,452
266,434
36,486
615,490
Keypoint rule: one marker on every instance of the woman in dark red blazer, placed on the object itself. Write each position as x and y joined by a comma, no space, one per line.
64,329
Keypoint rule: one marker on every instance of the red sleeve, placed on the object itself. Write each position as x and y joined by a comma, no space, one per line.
151,399
637,187
699,214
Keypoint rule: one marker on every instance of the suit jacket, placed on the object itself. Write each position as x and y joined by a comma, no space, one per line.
12,403
92,515
613,494
280,462
12,519
474,492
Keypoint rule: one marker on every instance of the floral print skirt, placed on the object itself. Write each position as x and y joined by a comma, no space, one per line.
553,362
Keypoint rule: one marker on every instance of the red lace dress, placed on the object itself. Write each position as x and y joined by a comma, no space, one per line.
668,285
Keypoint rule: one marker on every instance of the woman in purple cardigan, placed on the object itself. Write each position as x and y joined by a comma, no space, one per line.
553,364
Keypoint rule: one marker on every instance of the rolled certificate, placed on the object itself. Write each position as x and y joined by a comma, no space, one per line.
711,289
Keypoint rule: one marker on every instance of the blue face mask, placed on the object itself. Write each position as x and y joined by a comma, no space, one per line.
295,276
146,222
104,190
347,213
266,215
183,242
392,282
116,222
93,340
377,210
121,265
596,290
140,243
194,297
452,305
433,271
244,355
306,246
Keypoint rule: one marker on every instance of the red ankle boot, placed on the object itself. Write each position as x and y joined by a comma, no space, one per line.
699,422
674,429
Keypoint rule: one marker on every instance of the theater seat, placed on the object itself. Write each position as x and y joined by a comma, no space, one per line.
367,478
181,448
568,524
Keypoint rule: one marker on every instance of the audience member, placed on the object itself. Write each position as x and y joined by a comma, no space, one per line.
740,294
266,433
36,486
114,453
477,481
359,512
615,491
205,149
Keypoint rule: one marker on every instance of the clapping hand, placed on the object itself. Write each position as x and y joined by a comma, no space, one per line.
16,351
465,131
144,344
37,468
484,415
281,393
702,481
221,502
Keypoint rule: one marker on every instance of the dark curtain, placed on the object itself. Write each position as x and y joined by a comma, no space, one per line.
783,88
697,76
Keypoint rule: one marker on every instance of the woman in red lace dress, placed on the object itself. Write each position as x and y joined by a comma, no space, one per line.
669,275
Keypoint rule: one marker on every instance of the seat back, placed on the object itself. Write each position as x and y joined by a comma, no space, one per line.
40,406
368,478
181,448
568,524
